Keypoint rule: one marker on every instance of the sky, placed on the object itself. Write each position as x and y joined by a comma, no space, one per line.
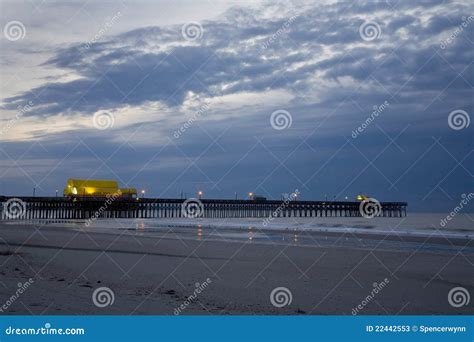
331,99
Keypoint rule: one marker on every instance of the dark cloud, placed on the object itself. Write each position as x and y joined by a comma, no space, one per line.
155,64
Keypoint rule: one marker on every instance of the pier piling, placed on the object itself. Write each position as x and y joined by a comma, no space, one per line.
29,208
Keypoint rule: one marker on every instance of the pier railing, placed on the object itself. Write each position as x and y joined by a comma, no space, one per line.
27,208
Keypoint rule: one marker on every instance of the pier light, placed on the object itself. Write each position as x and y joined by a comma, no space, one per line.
251,195
143,193
200,194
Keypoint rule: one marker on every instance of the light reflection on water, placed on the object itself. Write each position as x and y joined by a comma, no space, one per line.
199,232
298,238
248,233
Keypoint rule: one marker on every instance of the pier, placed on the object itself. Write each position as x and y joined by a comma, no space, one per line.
28,208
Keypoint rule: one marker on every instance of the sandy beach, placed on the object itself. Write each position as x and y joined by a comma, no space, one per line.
155,270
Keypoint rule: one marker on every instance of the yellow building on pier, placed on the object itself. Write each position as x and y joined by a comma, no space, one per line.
96,188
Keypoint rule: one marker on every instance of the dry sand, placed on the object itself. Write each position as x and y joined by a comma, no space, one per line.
326,272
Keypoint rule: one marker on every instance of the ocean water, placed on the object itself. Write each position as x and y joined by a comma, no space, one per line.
296,230
415,223
424,224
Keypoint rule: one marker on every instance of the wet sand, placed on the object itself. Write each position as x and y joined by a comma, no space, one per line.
154,272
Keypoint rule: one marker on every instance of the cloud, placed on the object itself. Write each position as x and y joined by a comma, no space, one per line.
239,52
308,59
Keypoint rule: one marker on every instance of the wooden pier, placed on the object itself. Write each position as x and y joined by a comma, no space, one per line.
28,208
